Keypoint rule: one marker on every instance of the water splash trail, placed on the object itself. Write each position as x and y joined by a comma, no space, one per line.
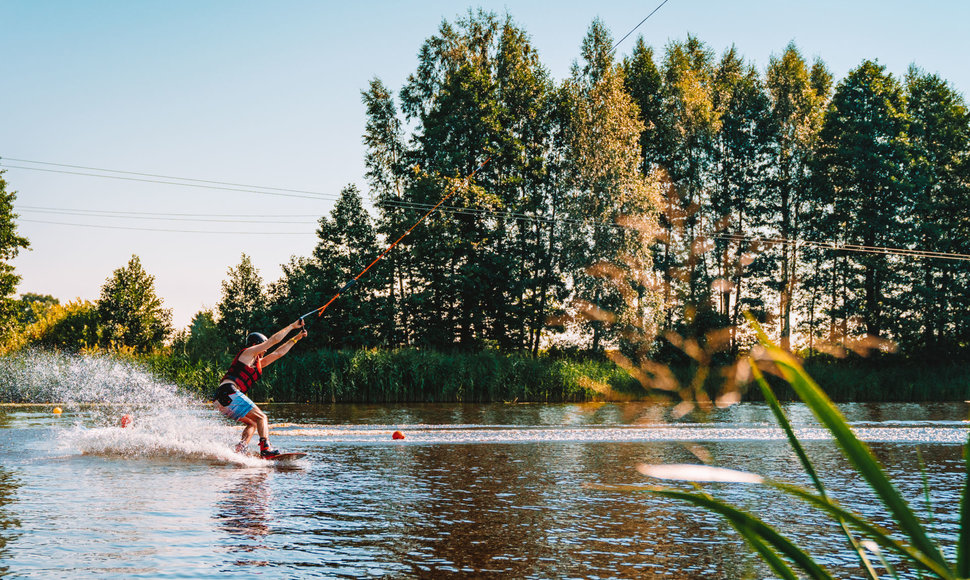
98,390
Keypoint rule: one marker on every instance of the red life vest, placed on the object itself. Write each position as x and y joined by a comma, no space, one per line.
243,375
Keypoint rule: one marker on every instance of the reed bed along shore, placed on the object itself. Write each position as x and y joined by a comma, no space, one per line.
410,375
419,376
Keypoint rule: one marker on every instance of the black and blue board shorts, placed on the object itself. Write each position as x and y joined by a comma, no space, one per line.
232,402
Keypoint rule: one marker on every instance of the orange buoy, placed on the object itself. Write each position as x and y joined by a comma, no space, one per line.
125,421
397,435
57,410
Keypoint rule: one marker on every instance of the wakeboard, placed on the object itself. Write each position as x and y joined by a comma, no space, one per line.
284,457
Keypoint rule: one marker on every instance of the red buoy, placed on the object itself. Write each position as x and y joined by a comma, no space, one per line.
397,435
125,421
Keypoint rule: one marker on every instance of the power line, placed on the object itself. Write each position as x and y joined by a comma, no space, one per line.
106,227
459,210
453,210
187,183
248,188
152,213
617,43
413,206
838,246
160,217
825,245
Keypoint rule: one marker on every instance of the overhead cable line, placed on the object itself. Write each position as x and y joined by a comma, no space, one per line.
99,226
414,206
162,217
825,245
243,189
453,209
617,43
476,212
155,175
839,246
120,213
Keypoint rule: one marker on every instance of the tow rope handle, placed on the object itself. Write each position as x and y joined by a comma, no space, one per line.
320,310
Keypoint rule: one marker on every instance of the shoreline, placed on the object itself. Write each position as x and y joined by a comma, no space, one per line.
418,376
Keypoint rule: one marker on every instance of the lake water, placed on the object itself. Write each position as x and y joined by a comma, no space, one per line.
472,490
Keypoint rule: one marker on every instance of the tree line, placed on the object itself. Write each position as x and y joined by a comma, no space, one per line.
648,195
658,194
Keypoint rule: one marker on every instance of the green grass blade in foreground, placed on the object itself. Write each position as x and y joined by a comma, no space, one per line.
926,488
807,465
752,525
963,542
767,554
876,533
874,548
857,452
785,424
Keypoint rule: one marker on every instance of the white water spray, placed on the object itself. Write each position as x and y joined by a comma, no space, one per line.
98,390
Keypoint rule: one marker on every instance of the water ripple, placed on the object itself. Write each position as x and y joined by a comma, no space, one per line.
949,433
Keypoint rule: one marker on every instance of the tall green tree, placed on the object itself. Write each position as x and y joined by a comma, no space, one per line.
202,340
939,134
386,163
744,159
645,84
10,245
298,291
450,98
690,122
611,202
480,90
243,306
799,96
130,312
347,243
861,160
526,248
596,55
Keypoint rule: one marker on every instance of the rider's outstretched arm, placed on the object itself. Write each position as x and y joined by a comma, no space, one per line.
258,349
282,350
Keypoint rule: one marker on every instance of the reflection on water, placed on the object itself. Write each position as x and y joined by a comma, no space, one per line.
474,490
244,514
8,524
245,510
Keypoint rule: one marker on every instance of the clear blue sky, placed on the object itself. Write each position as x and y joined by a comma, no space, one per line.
268,94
